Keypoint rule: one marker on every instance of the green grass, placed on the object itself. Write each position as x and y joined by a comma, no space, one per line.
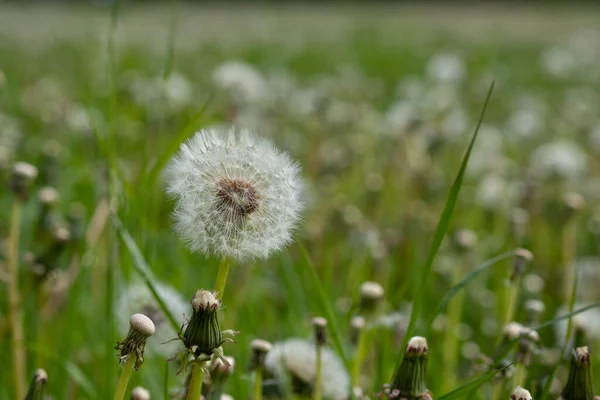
374,195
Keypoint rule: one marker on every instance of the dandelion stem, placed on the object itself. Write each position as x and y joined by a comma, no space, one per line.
258,380
222,277
359,354
14,301
318,377
123,381
195,389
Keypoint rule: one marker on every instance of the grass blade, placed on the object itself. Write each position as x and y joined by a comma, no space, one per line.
568,315
464,282
326,307
473,385
142,267
440,231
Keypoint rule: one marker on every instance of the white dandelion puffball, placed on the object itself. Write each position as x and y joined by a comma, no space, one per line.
241,80
137,298
237,195
297,357
562,158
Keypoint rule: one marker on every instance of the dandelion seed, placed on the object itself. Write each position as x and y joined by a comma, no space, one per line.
237,195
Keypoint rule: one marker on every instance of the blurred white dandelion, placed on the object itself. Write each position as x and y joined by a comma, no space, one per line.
237,195
241,80
563,158
295,359
137,298
446,67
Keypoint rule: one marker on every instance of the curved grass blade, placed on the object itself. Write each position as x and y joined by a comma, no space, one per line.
440,231
473,385
325,305
568,315
142,267
174,145
464,282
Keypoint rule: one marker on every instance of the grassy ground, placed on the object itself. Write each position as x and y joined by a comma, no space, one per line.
378,107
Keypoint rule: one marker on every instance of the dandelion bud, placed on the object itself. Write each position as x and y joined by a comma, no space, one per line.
573,202
21,180
140,329
535,309
219,371
357,323
526,345
520,394
37,386
320,325
371,294
512,331
409,382
522,258
519,220
464,240
260,348
203,334
580,385
140,393
48,196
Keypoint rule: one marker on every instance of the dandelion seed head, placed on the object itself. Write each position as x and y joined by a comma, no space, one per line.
297,357
520,394
140,393
241,80
237,196
562,158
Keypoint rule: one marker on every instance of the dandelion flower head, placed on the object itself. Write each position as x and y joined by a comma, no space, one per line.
237,195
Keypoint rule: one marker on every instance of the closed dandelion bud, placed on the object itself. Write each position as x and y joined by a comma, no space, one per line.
464,239
371,294
572,202
320,326
140,393
260,349
526,345
357,323
219,371
140,329
520,394
22,178
579,385
535,310
203,334
409,382
522,258
37,386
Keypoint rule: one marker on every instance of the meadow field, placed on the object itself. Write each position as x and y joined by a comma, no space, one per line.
437,176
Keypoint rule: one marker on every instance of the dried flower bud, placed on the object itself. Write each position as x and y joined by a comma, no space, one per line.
520,394
535,309
512,331
140,393
409,381
522,258
37,386
320,325
140,329
371,294
357,323
203,334
260,348
21,180
48,196
580,385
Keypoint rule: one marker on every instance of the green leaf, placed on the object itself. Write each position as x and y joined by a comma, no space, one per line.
440,231
325,306
465,281
142,267
473,385
175,144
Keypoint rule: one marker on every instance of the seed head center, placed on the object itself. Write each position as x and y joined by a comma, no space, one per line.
238,196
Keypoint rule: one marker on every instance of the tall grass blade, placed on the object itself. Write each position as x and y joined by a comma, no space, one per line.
568,315
440,231
142,267
472,386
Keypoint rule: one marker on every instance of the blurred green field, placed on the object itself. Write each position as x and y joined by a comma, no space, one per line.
378,106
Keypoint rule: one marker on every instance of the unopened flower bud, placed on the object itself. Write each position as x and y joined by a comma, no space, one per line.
320,326
22,178
535,309
371,294
580,385
37,386
522,258
140,393
520,394
357,323
260,348
409,381
203,334
140,329
464,239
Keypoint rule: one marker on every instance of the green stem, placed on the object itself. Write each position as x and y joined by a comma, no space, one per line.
14,301
520,375
450,350
513,294
222,277
258,381
123,381
195,389
360,354
318,378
